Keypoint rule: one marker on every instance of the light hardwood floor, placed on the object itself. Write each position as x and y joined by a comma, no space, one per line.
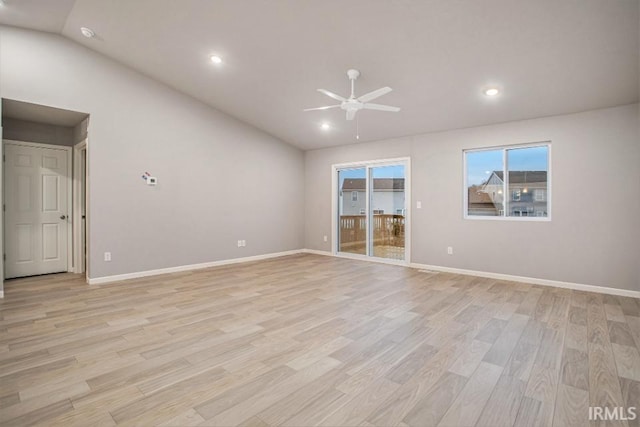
313,340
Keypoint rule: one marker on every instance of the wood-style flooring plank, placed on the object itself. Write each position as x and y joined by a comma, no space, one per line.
312,340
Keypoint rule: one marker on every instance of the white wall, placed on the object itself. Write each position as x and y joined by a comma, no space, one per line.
220,180
24,130
595,156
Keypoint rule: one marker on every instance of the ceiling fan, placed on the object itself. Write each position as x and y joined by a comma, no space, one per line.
352,104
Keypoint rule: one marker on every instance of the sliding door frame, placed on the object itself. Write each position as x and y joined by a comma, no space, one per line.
335,191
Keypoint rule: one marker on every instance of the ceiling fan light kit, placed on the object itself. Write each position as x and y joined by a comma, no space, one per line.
354,104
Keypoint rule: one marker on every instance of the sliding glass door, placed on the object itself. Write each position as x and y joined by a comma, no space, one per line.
372,209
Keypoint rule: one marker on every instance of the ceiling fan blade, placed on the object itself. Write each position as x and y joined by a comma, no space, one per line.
381,107
351,114
321,108
332,95
375,94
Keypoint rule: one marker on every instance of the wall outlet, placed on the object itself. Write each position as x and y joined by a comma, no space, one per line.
239,243
244,243
107,256
325,238
418,204
450,250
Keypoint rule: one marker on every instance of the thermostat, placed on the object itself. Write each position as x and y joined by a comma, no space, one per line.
152,180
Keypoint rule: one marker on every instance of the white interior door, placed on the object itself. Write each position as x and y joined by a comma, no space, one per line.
36,203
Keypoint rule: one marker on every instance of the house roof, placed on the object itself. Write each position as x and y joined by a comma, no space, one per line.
522,177
388,184
477,196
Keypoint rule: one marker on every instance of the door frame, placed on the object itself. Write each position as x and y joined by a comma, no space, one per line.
80,169
367,164
69,193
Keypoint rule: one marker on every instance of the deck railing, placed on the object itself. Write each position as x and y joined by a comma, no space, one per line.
388,229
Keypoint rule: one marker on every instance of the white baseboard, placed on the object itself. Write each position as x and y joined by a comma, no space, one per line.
147,273
498,276
531,280
356,257
316,252
1,294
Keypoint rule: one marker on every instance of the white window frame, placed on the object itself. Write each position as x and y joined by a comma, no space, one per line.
539,195
514,193
507,200
354,196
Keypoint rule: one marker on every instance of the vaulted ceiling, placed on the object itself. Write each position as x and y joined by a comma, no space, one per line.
548,56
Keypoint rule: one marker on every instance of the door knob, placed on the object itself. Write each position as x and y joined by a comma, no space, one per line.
63,217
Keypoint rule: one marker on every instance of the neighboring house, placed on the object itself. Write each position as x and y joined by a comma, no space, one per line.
480,203
388,196
526,195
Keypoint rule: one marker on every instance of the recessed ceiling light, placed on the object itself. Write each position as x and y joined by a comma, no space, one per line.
216,59
87,32
325,126
492,91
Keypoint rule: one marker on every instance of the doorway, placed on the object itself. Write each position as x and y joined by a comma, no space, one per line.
37,204
371,201
45,193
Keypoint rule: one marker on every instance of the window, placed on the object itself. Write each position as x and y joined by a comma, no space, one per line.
354,196
362,211
507,182
378,211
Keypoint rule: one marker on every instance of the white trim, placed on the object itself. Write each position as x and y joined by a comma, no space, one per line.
335,206
363,163
531,280
69,176
408,212
316,252
498,276
36,145
358,257
509,218
335,191
77,211
180,268
1,294
368,212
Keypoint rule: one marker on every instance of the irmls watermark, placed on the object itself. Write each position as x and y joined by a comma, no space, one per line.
618,413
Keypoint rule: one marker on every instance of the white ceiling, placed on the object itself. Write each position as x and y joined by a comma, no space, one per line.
42,15
40,113
550,57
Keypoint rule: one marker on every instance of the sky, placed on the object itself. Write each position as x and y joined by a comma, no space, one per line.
480,164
